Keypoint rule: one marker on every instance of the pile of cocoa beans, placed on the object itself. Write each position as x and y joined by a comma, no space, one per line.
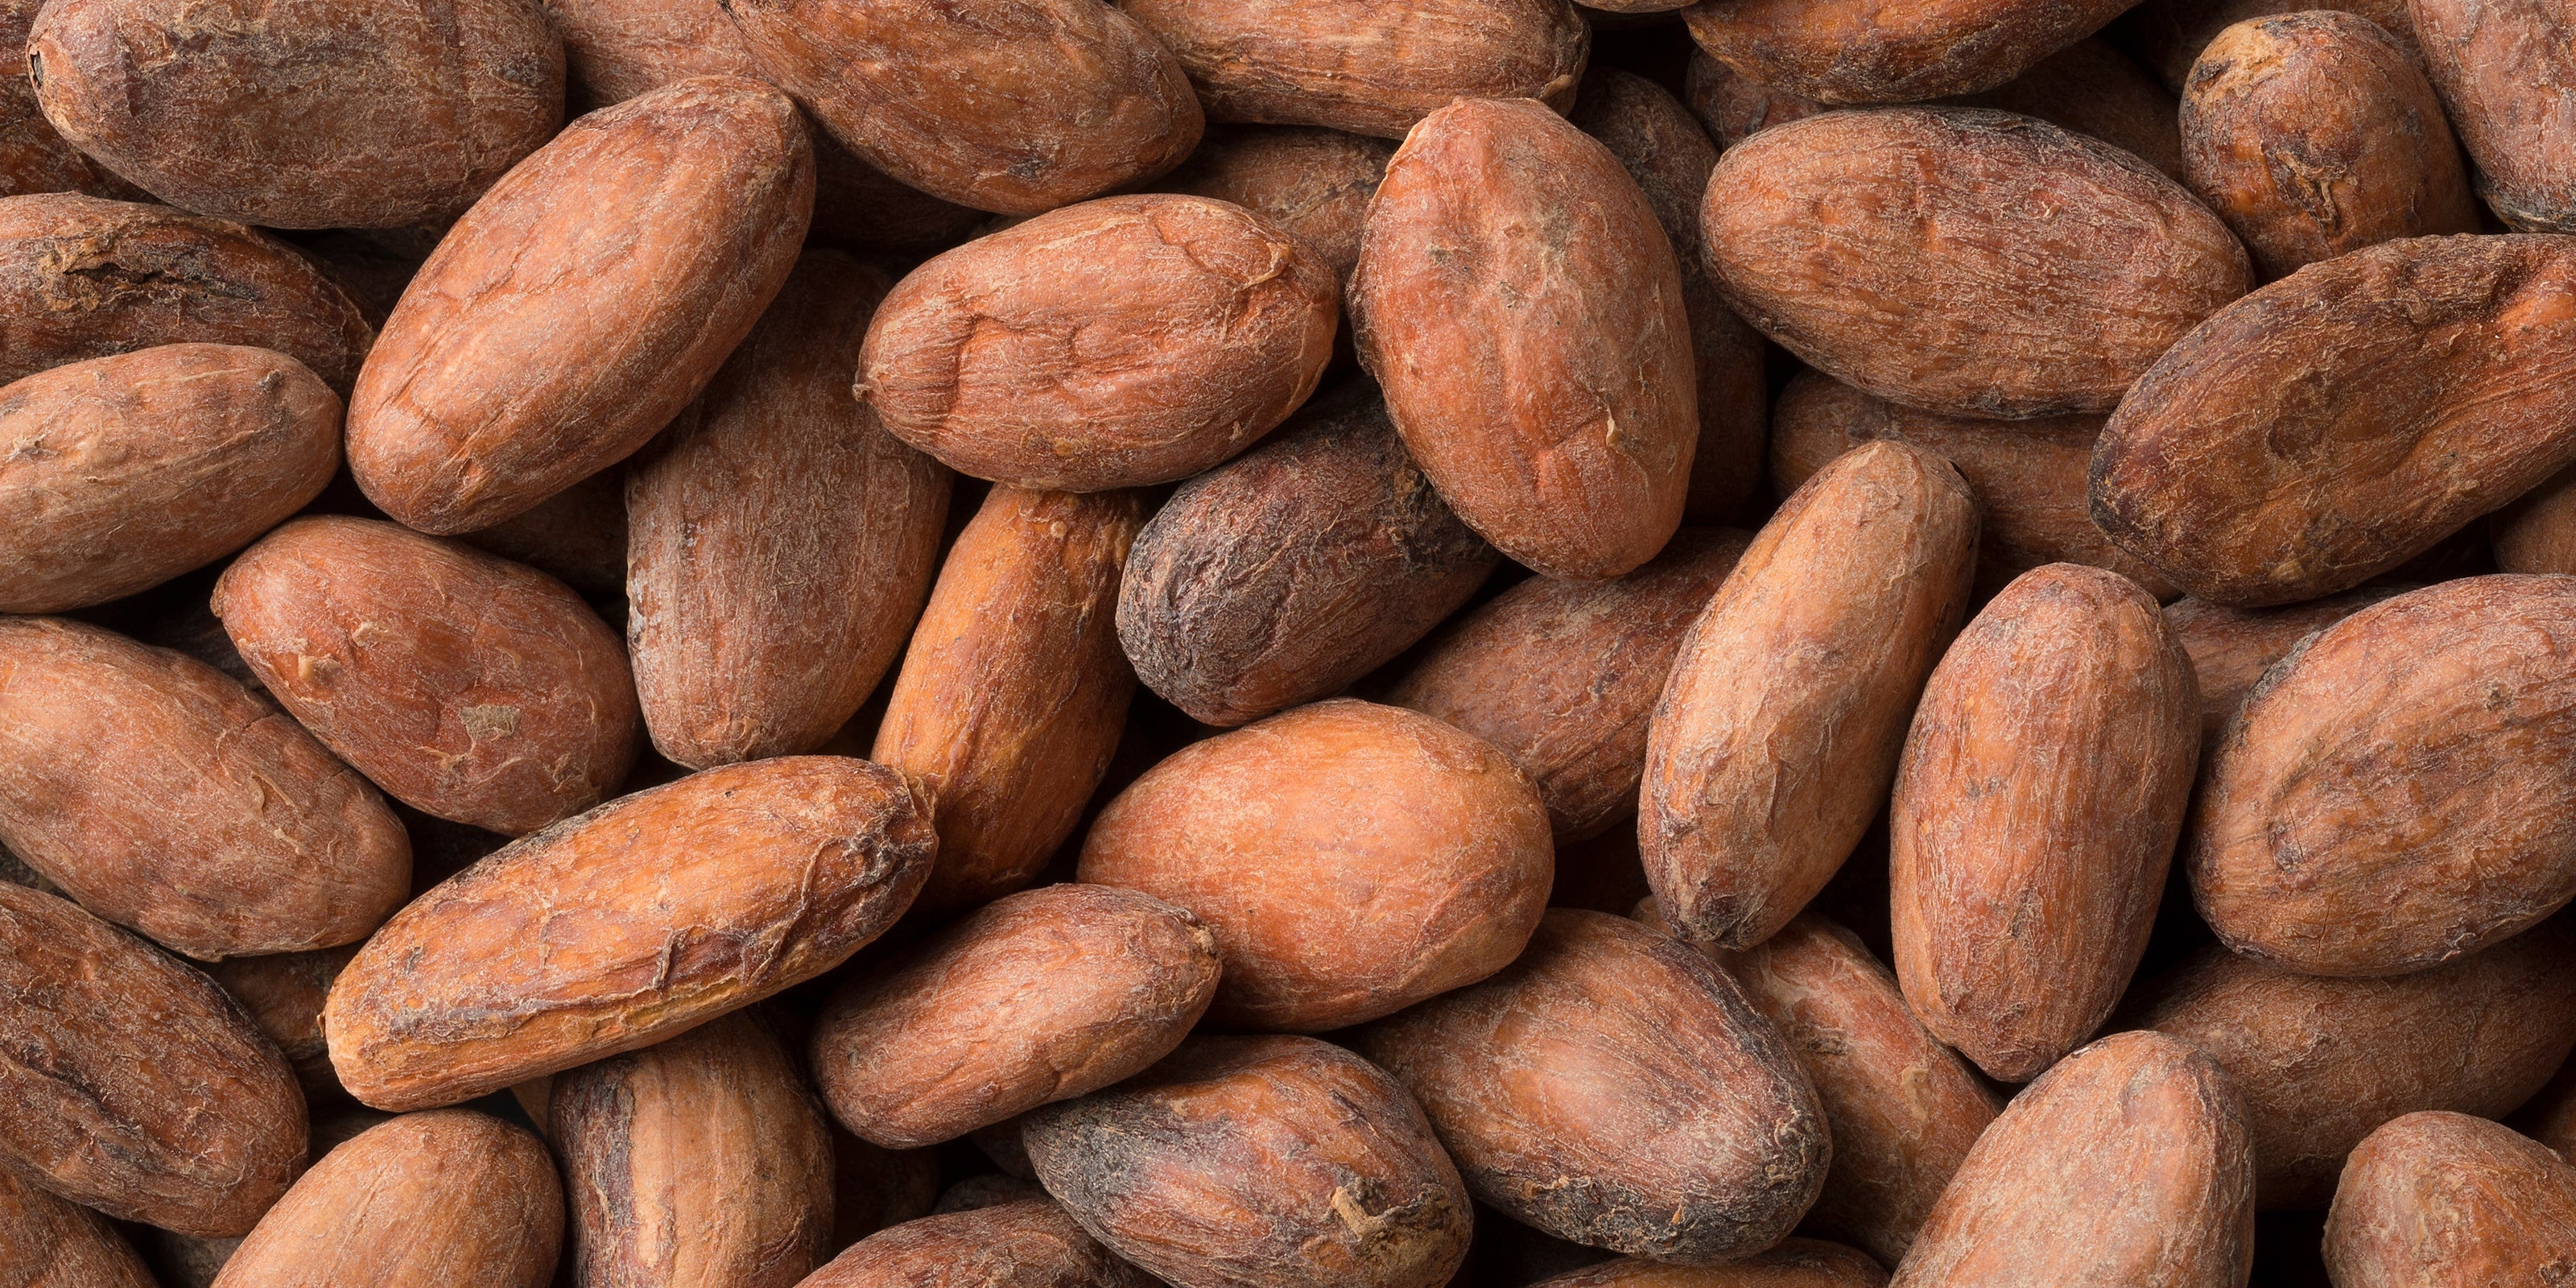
1287,644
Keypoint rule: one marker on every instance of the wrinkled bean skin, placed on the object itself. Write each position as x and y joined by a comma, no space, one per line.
1616,1088
136,1086
332,116
585,300
2338,422
1265,1162
1036,997
1792,1263
2507,72
167,797
2169,35
50,1242
687,901
1523,311
1029,1243
1368,66
1854,52
2323,1062
119,473
33,156
1978,263
2231,648
1011,106
2313,134
2138,1115
2444,1200
2396,792
1316,183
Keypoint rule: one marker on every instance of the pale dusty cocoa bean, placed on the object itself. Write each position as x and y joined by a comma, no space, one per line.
2168,35
50,1242
2398,791
577,536
1352,859
1563,676
2043,787
1523,311
1857,52
135,1085
1268,1162
119,473
1368,66
1616,1088
582,303
699,1162
1282,576
610,931
1014,692
2139,1116
469,687
2323,1062
1315,183
2029,476
2231,648
166,797
2507,72
1902,1109
1037,997
2336,423
2442,1200
1977,263
2538,532
427,1200
1016,106
1200,326
1792,1263
1028,1243
780,542
283,996
1670,157
2313,134
85,278
1777,734
307,114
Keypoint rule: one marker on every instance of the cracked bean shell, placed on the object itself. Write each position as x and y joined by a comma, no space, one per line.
2506,70
469,687
1117,343
1857,52
82,277
585,300
620,927
2140,1116
1012,106
1037,997
1259,1162
2343,420
2313,134
2036,809
2401,789
1523,312
1014,693
2444,1200
1294,62
1352,859
303,114
1616,1088
165,796
697,1162
780,541
135,1085
1282,576
1777,733
119,473
1965,261
1563,675
2323,1062
428,1200
2029,476
1028,1243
